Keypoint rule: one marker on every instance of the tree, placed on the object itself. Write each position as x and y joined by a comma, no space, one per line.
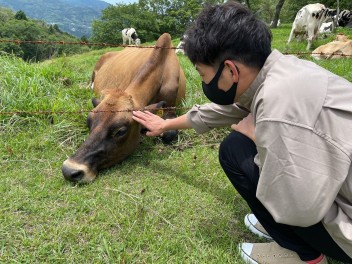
20,15
277,13
248,4
16,27
115,18
264,9
5,14
150,18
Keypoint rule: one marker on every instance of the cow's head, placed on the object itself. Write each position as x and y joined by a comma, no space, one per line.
331,12
125,80
134,36
113,136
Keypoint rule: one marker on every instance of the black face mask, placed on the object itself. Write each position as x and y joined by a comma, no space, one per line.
214,94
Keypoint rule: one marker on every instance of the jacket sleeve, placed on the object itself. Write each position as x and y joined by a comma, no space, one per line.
301,172
208,116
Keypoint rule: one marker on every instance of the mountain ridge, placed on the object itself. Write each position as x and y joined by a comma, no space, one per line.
72,16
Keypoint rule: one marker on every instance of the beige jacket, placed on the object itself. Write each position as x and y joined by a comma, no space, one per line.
303,117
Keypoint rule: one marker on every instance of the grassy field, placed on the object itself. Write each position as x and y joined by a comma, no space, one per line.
164,204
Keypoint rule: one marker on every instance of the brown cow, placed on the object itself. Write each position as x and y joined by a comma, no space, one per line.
341,47
134,78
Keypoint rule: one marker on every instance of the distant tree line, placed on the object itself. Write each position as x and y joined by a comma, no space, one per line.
151,18
16,26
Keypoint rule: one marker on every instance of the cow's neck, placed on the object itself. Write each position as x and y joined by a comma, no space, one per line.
146,84
144,95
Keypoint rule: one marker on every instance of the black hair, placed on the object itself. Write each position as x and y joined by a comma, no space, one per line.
228,31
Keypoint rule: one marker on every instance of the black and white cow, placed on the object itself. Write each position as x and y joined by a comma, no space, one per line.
308,21
326,27
130,35
345,17
179,48
278,22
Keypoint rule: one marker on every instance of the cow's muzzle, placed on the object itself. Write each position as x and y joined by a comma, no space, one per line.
75,172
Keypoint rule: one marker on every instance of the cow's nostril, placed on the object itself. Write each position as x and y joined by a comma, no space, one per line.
72,174
77,175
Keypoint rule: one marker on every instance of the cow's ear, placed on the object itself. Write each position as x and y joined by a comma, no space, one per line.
157,108
95,102
161,104
154,107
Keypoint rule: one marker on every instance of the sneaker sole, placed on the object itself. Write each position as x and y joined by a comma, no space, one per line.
245,257
254,230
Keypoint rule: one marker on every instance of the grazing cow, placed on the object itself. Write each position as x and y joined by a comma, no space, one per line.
349,25
179,48
130,35
138,42
341,47
345,16
126,80
326,27
278,23
308,21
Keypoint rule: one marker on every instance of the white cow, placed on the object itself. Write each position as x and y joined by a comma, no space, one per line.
308,21
129,34
278,23
179,48
326,27
138,42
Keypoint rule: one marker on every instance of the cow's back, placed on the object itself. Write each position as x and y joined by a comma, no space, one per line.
333,50
307,15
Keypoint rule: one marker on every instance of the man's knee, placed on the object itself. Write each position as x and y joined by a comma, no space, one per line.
236,156
233,145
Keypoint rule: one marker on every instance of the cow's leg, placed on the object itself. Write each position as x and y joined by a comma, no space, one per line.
155,109
159,109
291,36
310,37
169,113
169,136
309,45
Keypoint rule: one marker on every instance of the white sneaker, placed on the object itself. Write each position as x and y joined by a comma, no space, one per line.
270,253
253,224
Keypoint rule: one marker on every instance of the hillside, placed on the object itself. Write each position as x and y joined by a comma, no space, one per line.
17,26
72,16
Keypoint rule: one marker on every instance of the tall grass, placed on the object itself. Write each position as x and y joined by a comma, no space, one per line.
164,204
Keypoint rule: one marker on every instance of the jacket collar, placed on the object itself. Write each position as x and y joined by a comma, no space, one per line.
245,100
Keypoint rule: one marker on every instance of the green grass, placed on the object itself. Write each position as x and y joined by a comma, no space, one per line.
164,204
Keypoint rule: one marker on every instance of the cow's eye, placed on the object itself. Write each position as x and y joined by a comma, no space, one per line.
120,132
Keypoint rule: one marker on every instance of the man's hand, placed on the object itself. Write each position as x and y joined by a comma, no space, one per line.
246,126
153,123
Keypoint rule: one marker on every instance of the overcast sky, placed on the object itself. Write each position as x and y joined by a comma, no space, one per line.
120,1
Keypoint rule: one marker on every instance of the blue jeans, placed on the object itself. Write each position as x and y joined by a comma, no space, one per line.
236,157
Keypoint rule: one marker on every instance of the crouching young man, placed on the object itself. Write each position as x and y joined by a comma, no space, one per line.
289,155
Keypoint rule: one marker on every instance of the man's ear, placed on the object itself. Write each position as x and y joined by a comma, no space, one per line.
233,69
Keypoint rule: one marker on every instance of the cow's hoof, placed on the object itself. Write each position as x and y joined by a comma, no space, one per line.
169,136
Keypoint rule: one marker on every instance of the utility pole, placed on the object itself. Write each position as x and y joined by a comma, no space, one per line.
335,21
